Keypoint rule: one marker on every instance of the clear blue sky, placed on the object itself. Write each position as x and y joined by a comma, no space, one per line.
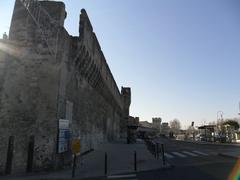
181,58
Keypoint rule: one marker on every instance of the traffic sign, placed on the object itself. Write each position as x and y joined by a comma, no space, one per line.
75,146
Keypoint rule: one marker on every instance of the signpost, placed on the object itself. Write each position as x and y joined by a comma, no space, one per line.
75,151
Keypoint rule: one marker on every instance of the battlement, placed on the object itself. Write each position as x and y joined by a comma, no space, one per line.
126,95
90,41
85,24
34,22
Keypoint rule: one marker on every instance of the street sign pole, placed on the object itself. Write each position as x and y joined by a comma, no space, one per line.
75,151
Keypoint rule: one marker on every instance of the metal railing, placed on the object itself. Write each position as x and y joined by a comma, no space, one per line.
156,150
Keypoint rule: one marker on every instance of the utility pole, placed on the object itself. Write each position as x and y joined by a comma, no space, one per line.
239,107
219,122
193,131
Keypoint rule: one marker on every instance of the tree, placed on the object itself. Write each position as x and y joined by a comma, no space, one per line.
232,123
175,126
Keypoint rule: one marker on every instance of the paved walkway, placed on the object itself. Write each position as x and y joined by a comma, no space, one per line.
120,160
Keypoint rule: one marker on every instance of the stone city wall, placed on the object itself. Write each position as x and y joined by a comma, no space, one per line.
47,75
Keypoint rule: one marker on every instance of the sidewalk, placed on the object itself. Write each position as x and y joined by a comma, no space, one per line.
120,160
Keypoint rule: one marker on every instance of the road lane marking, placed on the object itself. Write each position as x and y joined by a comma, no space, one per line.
168,155
189,153
199,152
122,176
179,154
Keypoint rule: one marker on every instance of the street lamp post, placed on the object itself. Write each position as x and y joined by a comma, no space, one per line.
193,131
239,107
219,121
220,115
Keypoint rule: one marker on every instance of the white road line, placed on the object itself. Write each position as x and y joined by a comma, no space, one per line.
179,154
122,176
201,153
189,153
168,155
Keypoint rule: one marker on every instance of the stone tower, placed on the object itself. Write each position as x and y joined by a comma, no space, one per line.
126,98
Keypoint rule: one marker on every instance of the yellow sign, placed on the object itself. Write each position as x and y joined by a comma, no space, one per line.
75,146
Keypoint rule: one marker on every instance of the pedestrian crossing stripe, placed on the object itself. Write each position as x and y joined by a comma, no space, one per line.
184,154
179,154
127,176
199,152
189,153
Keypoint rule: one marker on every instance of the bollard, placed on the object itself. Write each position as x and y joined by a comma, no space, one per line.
135,161
30,154
152,147
157,150
74,165
105,164
163,157
9,160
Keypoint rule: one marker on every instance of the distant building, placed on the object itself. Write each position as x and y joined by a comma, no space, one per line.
146,129
133,123
145,124
165,129
5,37
156,123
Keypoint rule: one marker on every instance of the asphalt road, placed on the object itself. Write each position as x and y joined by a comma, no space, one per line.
190,162
193,161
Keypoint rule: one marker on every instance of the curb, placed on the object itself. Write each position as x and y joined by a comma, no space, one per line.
167,167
